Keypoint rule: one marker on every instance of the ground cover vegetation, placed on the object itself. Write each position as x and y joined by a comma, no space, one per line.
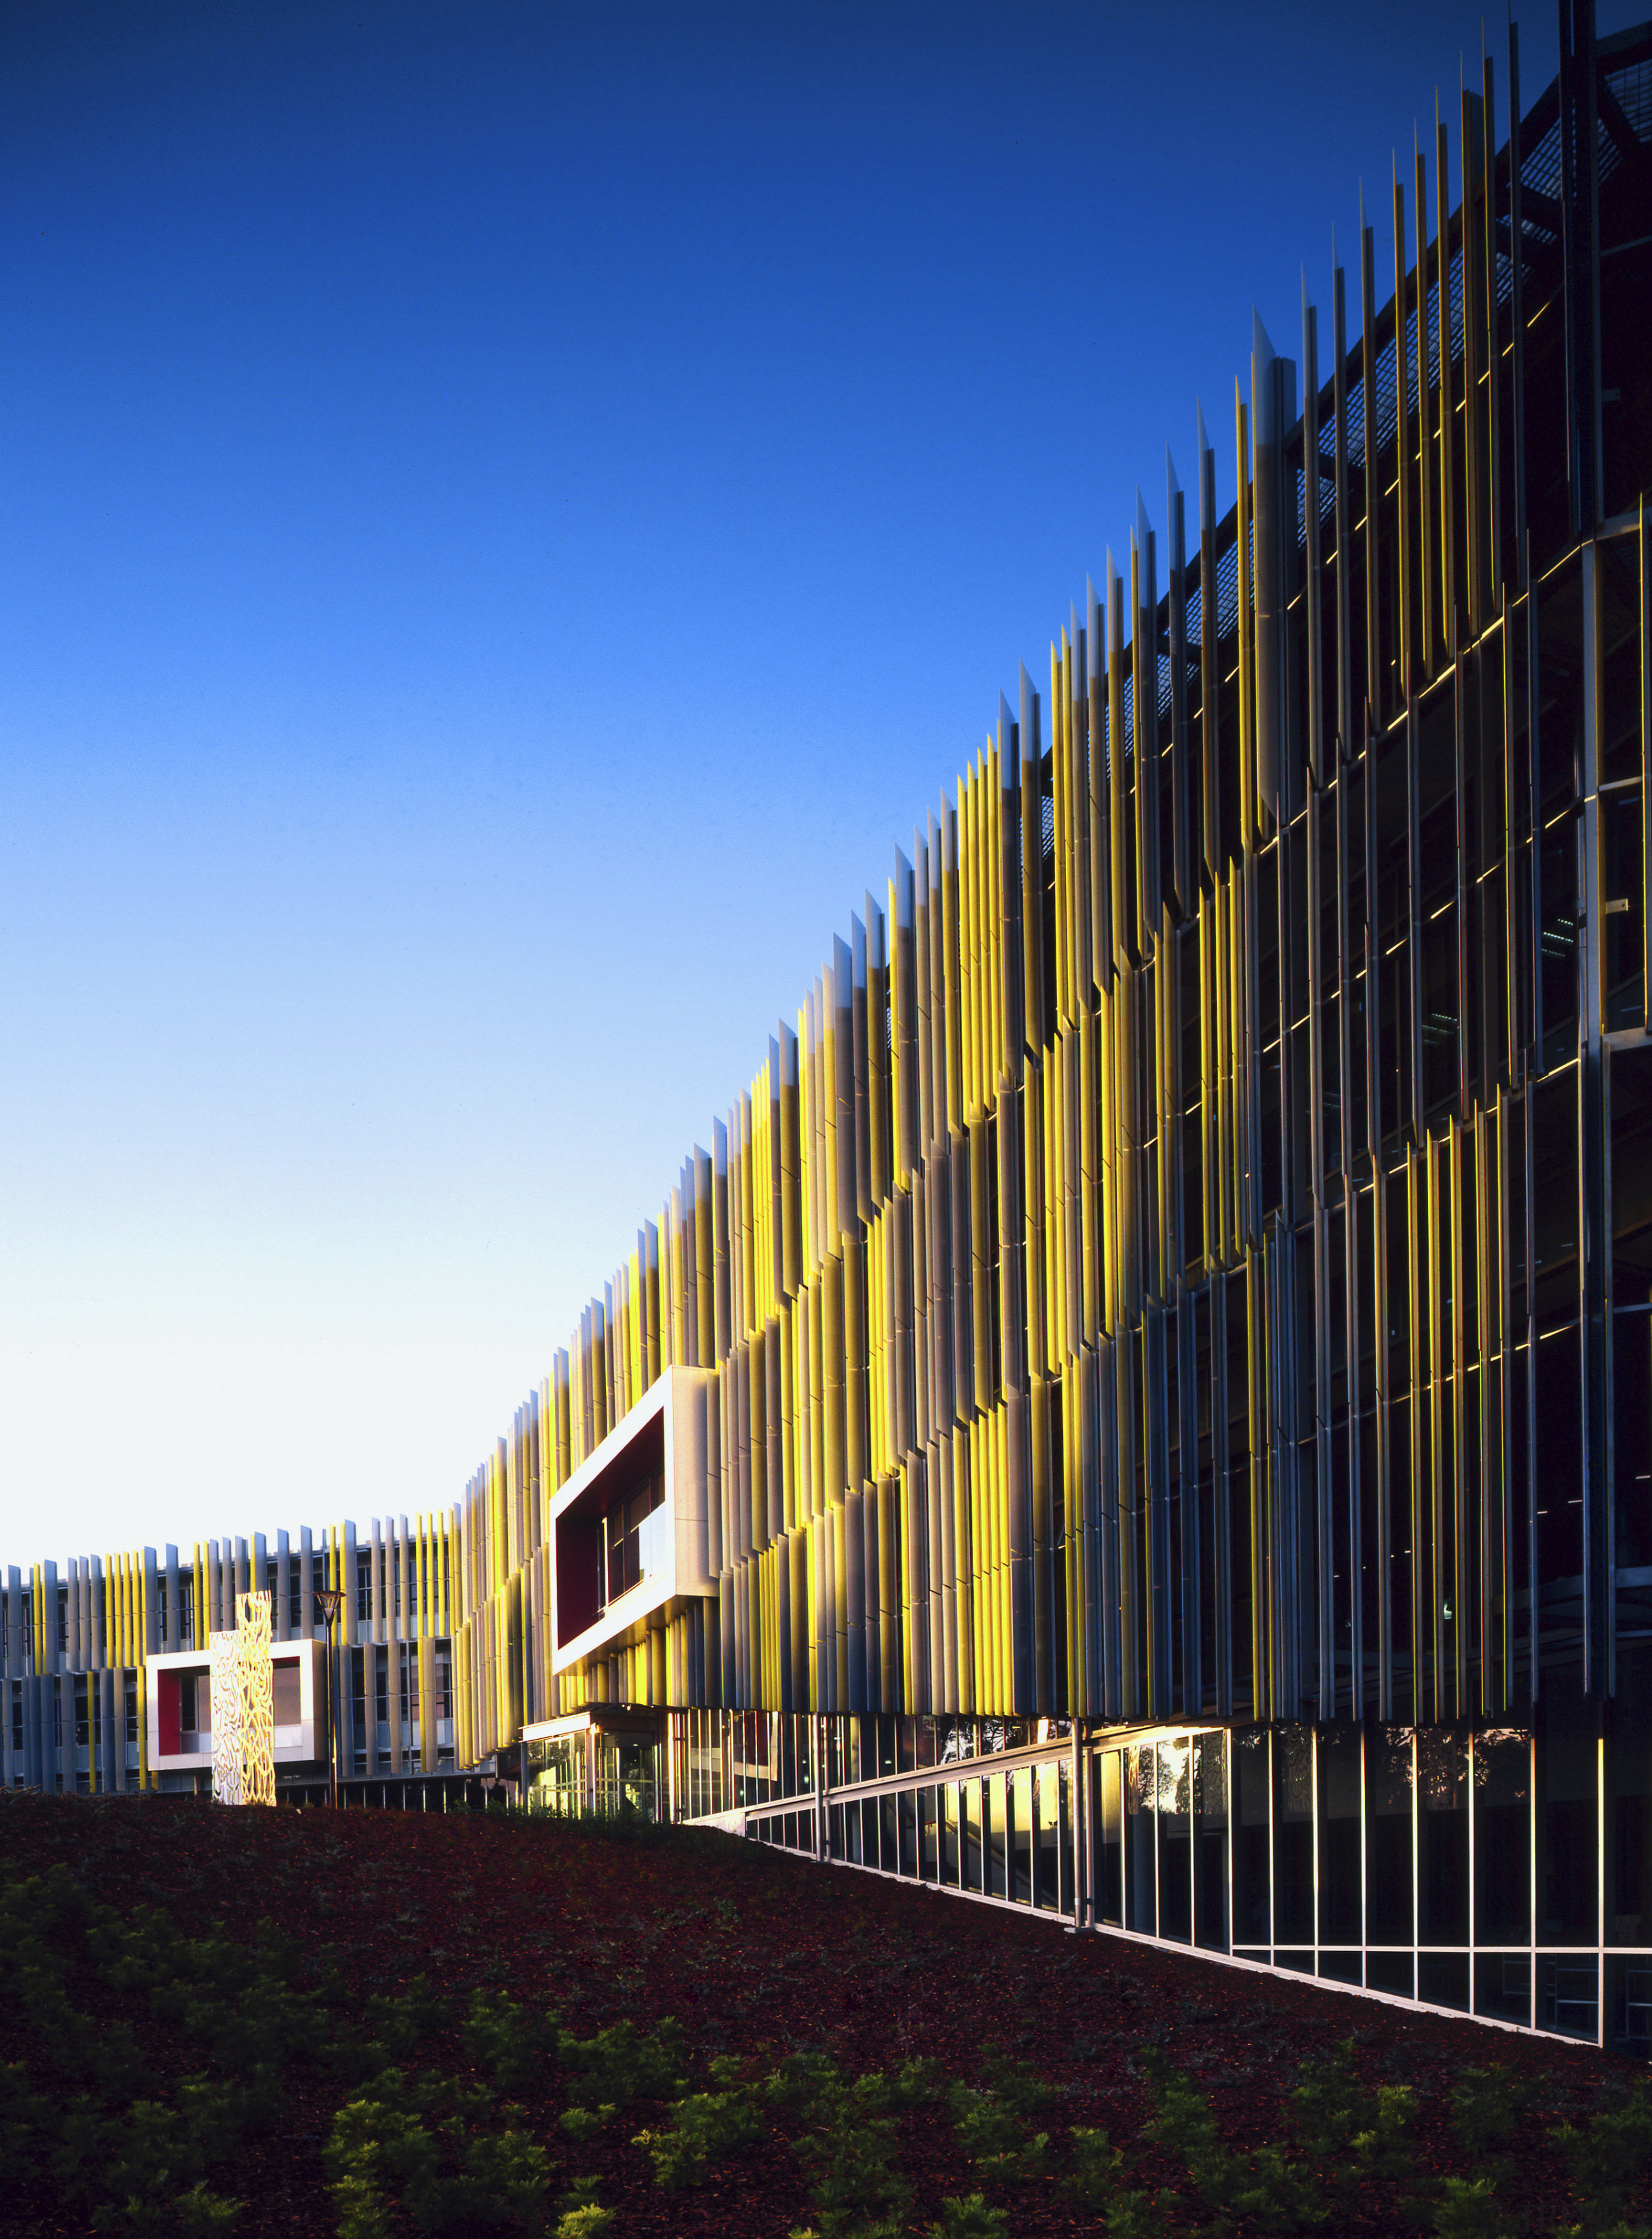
380,2025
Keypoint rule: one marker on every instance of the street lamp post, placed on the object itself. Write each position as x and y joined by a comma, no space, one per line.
329,1602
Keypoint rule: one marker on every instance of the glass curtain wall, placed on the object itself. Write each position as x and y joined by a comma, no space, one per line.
1454,1865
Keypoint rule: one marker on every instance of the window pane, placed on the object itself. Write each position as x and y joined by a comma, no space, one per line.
1250,1875
1388,1838
1502,1843
969,1801
1210,1835
1293,1835
1109,1831
1443,1841
996,1832
1048,1809
1339,1836
1176,1844
1021,1837
1140,1779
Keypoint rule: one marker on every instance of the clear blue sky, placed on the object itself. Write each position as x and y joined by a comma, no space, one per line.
509,514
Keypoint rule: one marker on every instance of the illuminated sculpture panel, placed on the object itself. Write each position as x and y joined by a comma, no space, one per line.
243,1762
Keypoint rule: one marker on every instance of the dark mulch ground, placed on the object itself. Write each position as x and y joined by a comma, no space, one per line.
756,1951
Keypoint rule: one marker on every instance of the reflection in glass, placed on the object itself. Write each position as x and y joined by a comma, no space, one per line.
970,1830
1443,1978
1140,1783
1021,1837
1390,1972
1250,1876
995,1832
1628,1850
1567,1890
1443,1841
1050,1833
928,1846
1210,1839
1339,1835
1503,1844
949,1846
1388,1839
1628,1997
1569,1996
1109,1840
625,1775
1175,1840
1503,1986
1293,1835
635,1540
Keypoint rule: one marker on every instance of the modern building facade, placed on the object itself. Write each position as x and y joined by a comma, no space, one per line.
1144,1410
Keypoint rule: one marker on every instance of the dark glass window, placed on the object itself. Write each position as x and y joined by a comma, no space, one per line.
909,1810
950,1847
1339,1836
1566,1890
633,1539
994,1832
1109,1839
929,1858
1443,1839
970,1833
1388,1837
1053,1883
1175,1840
1250,1874
1140,1790
1503,1839
1293,1835
1021,1837
1210,1841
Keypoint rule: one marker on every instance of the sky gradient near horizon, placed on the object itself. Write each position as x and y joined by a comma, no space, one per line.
512,512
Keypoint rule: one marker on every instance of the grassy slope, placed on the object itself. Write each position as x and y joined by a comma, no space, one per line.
758,1955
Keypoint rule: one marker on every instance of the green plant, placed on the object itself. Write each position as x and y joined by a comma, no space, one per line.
704,2128
1486,2103
1609,2159
1274,2193
584,2221
1351,2133
1092,2173
451,2177
400,2024
511,2045
581,2193
801,2079
1014,2083
583,2123
917,2083
969,2217
993,2134
1468,2209
855,2184
618,2066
